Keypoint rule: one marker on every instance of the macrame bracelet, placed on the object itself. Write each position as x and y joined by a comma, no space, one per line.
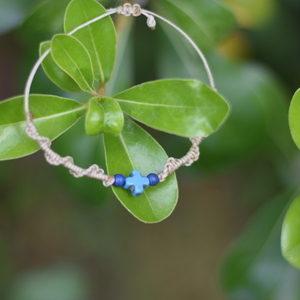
134,182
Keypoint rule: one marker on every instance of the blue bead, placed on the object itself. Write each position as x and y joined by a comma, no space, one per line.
119,180
154,179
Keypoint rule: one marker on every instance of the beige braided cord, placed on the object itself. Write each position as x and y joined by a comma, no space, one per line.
94,171
55,159
173,164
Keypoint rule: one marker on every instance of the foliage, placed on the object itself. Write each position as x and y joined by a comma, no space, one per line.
179,107
195,17
187,108
294,118
98,38
53,116
290,234
124,153
253,267
256,129
290,242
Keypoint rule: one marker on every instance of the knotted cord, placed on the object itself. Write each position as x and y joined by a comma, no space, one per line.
95,171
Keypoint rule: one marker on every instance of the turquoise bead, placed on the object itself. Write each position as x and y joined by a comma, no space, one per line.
136,183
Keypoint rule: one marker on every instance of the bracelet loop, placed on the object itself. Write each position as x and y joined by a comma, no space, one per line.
95,171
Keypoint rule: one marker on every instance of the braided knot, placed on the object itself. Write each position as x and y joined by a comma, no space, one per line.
128,10
32,132
173,164
197,140
52,158
44,142
109,181
170,167
93,171
135,10
151,22
96,172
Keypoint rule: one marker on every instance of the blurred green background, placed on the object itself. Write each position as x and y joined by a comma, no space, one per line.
63,238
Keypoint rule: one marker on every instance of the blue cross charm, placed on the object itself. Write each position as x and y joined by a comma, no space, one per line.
136,183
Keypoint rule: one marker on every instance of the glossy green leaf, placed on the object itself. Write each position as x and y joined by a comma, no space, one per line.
294,118
99,38
207,22
290,238
72,57
183,107
253,266
55,73
134,149
114,117
258,104
52,116
94,119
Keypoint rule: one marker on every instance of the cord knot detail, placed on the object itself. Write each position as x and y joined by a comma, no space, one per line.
128,10
151,22
135,10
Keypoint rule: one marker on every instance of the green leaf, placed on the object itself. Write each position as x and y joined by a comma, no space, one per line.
72,57
253,266
55,73
99,38
207,22
294,118
290,238
183,107
114,117
136,149
104,115
52,116
258,102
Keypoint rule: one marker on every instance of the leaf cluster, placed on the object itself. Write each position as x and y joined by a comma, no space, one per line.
84,62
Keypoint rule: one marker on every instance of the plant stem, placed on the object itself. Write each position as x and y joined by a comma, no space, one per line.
102,90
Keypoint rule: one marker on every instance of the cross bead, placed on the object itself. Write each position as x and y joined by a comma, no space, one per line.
136,183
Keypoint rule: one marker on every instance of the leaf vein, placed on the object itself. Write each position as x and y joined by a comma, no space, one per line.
78,68
95,49
46,117
133,166
156,104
